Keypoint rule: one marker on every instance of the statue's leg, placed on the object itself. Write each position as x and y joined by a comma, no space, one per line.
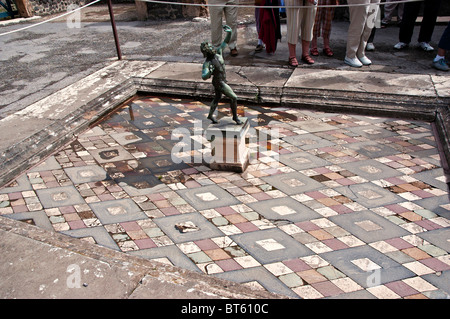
213,107
233,104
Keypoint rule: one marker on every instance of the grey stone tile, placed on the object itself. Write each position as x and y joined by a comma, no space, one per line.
40,218
59,196
271,245
434,177
172,253
21,184
302,161
110,154
202,227
438,237
207,197
371,169
442,281
369,195
262,276
372,149
117,211
367,266
372,132
49,164
368,226
307,141
86,174
439,205
99,234
292,183
284,208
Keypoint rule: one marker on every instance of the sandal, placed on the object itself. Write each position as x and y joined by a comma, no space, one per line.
314,52
293,62
307,59
328,52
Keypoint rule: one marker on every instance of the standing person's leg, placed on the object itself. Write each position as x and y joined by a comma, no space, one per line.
389,9
320,16
293,30
358,17
216,14
430,13
308,16
326,29
439,61
410,13
372,12
231,11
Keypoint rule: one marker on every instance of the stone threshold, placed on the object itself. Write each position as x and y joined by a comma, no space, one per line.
30,135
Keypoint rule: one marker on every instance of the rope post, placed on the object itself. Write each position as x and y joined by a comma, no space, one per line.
113,24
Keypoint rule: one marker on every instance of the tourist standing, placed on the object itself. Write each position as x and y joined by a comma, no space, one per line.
217,10
300,17
362,21
410,13
324,17
439,61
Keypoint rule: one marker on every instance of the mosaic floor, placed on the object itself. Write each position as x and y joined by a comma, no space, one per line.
331,205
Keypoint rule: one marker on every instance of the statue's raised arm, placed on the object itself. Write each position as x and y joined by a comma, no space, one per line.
225,42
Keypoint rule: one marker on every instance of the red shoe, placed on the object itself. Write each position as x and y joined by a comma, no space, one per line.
307,59
328,52
314,52
293,62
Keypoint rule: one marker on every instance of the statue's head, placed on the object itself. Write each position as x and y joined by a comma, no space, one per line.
207,49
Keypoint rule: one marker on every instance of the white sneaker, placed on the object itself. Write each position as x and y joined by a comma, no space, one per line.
365,60
426,46
353,62
400,45
370,47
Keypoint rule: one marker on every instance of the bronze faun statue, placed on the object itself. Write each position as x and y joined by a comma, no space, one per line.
214,66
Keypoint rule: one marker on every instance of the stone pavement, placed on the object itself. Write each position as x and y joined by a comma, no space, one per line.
346,197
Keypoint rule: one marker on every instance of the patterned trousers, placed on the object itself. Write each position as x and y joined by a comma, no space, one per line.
324,17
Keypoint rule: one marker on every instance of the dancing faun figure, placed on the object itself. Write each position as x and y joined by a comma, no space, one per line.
214,66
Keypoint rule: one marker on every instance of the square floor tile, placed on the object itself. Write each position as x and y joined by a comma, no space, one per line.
86,174
39,218
369,195
372,132
307,141
368,226
117,211
172,252
271,245
200,228
59,196
110,154
292,183
439,205
438,237
302,160
99,234
371,170
207,197
262,276
434,177
355,262
372,149
284,208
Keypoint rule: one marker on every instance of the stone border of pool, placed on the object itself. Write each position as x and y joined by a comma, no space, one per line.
29,135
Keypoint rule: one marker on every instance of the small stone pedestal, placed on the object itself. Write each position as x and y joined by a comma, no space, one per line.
229,152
